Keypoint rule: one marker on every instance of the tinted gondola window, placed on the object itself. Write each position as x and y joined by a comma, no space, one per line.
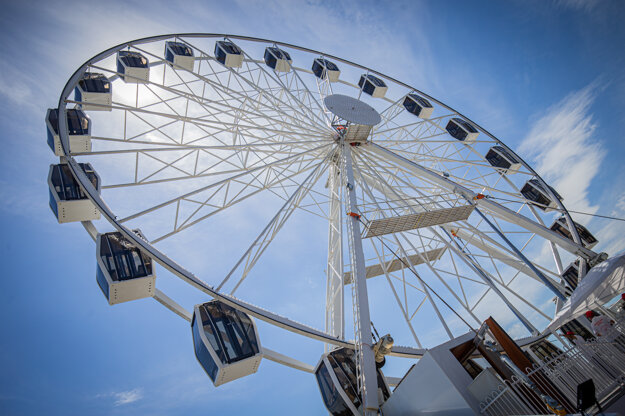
545,350
211,335
321,66
123,260
331,397
345,370
133,59
180,49
414,103
411,106
94,83
101,279
77,122
570,276
202,354
230,332
500,157
230,48
376,81
496,159
278,53
535,195
469,127
423,102
66,186
454,129
53,118
330,66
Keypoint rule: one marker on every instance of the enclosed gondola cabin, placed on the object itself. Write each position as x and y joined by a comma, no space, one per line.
179,55
94,92
228,54
226,342
561,227
501,158
461,130
324,69
277,59
372,85
570,276
78,129
124,273
418,106
534,191
68,201
133,67
336,377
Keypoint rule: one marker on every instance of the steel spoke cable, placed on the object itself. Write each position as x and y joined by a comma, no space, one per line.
226,89
560,210
289,207
287,159
485,275
204,103
182,147
253,85
397,257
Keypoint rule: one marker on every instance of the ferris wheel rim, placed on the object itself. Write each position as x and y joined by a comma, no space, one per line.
169,263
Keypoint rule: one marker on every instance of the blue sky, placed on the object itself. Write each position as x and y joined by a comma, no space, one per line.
540,75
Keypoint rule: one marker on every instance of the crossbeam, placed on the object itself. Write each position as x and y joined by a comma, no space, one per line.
397,264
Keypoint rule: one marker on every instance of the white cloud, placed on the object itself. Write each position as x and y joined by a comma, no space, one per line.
127,397
565,151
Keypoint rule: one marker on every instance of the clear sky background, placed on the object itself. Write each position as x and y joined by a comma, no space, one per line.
546,77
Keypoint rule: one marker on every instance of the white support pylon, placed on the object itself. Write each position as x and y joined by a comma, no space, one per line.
365,360
335,309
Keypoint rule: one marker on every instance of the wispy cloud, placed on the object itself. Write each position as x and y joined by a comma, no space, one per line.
564,149
127,397
121,398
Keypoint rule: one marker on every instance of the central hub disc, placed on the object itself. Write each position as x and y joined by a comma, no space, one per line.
352,110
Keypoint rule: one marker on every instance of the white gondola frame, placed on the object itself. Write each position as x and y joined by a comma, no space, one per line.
425,112
72,210
332,75
324,361
231,60
514,167
77,142
180,61
470,136
229,372
379,91
282,65
133,74
125,290
102,100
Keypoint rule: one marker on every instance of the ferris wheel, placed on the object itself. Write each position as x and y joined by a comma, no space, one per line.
427,223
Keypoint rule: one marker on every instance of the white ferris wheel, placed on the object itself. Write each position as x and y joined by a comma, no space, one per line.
431,223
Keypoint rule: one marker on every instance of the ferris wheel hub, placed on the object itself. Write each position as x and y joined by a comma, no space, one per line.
352,110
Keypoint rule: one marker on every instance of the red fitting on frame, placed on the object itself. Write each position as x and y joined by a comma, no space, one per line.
479,196
353,214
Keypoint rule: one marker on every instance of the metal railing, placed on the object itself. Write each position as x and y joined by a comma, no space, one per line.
602,360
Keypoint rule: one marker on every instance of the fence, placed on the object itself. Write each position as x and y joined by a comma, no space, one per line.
602,360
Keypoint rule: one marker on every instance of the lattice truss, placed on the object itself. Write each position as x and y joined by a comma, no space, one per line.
188,145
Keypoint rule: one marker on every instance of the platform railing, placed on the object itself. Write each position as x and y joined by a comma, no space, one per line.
602,360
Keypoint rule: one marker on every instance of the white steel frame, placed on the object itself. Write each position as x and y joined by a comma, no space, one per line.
240,132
